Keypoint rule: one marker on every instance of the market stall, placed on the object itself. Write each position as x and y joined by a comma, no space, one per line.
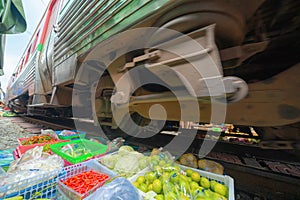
66,165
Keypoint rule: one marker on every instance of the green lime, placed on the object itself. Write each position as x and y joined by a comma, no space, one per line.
140,179
159,197
194,185
174,177
150,187
195,176
150,176
189,172
157,186
136,184
143,187
204,182
171,196
220,189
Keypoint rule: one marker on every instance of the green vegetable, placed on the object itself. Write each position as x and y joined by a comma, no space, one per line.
126,162
125,149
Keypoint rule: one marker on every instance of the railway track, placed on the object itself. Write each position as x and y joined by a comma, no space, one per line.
53,123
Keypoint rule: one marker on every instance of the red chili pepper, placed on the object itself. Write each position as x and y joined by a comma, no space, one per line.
85,181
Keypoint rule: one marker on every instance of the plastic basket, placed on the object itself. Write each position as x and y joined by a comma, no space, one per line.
223,179
78,135
73,170
94,147
6,157
40,186
23,148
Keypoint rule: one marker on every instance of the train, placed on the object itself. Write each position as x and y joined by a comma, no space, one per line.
253,46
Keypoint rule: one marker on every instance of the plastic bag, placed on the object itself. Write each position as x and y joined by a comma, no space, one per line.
3,174
162,161
32,154
115,144
165,178
35,160
75,150
49,132
118,189
67,132
210,166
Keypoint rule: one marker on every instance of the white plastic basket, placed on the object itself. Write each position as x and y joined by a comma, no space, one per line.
224,179
74,170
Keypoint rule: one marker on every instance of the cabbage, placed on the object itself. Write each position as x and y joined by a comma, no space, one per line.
110,160
143,162
123,150
127,164
136,154
126,161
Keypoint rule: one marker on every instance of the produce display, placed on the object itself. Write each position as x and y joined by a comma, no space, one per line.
168,181
84,182
51,165
126,162
38,139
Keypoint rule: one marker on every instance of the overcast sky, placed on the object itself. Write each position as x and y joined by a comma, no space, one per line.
16,44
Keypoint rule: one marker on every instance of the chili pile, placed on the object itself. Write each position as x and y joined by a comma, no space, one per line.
85,181
38,139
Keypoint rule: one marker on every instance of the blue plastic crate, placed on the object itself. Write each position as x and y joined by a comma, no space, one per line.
40,186
6,157
78,135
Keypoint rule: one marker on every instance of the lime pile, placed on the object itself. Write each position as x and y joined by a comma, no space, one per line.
170,182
